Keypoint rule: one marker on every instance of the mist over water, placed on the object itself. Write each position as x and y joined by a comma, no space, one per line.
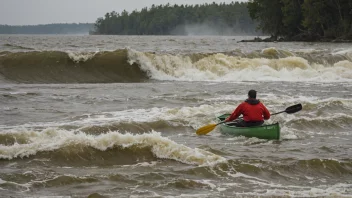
117,115
210,29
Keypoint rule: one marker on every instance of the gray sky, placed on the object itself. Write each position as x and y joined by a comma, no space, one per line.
31,12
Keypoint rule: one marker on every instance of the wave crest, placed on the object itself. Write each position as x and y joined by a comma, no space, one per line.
129,65
51,140
223,67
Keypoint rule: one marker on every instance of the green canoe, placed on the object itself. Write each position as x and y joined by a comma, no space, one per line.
270,132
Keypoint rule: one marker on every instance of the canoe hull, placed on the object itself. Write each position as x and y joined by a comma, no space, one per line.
270,132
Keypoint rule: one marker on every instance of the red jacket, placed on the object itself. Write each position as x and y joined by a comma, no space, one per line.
252,110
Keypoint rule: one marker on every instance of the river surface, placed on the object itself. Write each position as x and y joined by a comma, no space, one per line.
115,116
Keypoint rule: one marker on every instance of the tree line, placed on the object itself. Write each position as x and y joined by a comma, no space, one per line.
223,19
56,28
303,19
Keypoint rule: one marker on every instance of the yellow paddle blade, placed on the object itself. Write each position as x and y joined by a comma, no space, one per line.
205,129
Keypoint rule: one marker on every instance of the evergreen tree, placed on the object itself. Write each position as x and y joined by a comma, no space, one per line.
167,19
313,19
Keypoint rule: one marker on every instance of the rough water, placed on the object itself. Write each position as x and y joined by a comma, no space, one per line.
115,116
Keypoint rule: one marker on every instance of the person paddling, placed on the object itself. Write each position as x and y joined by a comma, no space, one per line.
254,112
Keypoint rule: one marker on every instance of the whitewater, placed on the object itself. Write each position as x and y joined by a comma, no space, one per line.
115,116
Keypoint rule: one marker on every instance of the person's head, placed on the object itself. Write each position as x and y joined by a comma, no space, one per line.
252,94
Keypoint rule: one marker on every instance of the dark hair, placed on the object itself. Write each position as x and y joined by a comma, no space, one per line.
252,94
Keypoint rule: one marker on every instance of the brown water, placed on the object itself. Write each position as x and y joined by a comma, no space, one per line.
116,116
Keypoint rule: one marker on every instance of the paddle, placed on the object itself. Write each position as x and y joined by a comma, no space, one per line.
206,129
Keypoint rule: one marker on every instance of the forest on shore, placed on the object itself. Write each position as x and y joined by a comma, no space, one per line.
303,20
282,20
200,19
56,28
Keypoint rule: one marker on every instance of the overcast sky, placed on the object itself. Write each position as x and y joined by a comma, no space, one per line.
31,12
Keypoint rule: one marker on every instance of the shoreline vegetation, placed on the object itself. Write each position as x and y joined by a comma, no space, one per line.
280,20
302,20
303,39
200,19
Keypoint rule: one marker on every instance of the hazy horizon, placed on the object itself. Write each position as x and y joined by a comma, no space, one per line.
38,12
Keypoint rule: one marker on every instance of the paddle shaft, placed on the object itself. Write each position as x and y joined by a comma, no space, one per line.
278,112
221,122
271,114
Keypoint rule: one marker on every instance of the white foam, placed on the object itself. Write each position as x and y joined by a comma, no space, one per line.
322,119
276,189
347,64
53,139
81,56
208,183
190,196
2,181
336,190
311,50
220,67
347,51
175,116
143,164
241,175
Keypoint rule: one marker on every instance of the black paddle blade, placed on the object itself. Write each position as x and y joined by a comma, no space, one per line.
293,109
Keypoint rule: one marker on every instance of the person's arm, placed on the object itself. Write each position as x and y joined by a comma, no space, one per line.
266,113
236,113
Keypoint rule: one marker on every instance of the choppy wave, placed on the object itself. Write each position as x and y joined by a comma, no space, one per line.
13,46
301,167
328,112
246,178
327,116
156,118
133,66
69,144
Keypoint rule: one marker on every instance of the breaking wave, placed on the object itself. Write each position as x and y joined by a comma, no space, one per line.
125,148
128,65
224,67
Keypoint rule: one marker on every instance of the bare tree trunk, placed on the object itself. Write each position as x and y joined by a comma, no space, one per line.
339,8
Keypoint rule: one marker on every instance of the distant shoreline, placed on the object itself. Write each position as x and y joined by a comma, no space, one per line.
274,40
55,28
256,38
